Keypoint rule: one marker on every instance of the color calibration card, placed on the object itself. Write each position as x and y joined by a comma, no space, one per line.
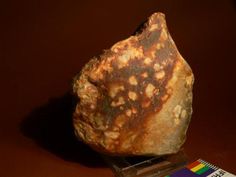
201,168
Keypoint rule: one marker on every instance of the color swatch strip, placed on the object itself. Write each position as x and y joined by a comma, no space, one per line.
198,167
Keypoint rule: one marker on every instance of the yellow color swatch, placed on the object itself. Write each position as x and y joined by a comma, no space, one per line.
198,167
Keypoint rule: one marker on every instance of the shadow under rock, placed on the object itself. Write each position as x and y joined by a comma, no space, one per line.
51,127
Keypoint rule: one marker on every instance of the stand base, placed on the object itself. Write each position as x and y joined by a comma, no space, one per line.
141,166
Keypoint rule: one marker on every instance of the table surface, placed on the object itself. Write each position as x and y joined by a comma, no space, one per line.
44,44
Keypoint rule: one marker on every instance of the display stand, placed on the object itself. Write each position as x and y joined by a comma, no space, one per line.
140,166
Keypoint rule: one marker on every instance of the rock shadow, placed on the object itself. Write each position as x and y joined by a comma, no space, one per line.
50,126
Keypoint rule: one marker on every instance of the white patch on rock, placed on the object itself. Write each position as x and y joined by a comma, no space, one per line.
160,75
133,80
149,91
132,95
114,89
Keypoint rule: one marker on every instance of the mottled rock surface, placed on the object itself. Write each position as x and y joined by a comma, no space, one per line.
136,98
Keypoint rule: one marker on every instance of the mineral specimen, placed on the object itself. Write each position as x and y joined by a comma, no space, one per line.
136,98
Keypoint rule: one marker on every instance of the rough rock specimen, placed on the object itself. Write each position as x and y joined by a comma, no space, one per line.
136,98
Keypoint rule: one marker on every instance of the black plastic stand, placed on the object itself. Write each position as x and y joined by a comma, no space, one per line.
141,166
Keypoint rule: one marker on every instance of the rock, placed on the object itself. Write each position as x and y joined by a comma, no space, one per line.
136,98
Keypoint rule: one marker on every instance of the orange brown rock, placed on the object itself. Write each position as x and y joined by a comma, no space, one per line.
136,98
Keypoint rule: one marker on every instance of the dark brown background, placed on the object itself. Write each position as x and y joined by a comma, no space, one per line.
44,43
